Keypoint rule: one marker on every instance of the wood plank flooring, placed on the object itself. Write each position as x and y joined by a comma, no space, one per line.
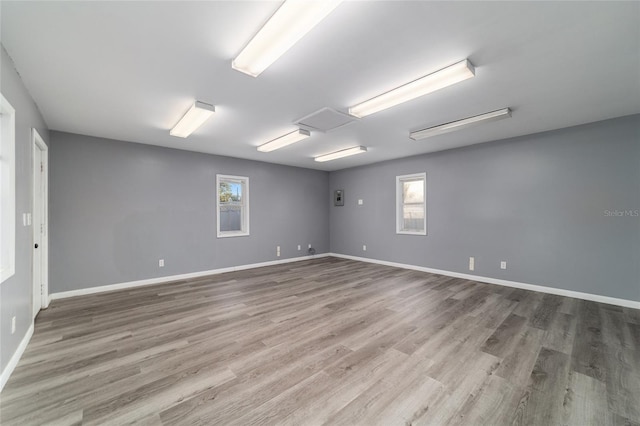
328,341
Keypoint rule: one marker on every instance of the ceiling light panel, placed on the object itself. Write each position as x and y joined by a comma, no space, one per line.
341,154
193,119
429,83
285,140
460,124
286,27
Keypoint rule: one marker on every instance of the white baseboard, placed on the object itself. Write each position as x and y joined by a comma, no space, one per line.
542,289
6,373
160,280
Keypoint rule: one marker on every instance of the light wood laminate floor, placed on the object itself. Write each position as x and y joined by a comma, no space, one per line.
328,341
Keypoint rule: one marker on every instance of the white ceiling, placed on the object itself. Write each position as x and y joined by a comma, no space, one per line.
129,70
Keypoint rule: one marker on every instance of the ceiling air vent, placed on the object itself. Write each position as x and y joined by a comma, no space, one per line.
325,120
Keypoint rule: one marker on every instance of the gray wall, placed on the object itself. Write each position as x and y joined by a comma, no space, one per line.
118,207
536,201
16,292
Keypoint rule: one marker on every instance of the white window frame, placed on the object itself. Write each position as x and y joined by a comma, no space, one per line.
244,181
8,189
400,203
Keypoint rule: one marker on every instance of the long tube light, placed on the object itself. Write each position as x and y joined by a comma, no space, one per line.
429,83
194,118
340,154
286,27
460,124
282,141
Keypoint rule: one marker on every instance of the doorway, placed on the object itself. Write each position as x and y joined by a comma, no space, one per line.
40,224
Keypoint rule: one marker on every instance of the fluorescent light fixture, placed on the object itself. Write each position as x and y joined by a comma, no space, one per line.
285,140
286,27
427,84
460,124
194,118
340,154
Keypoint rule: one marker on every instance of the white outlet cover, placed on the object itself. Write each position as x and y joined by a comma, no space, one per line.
364,248
13,325
299,247
360,202
472,263
503,265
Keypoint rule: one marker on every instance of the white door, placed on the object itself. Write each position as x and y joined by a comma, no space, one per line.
39,224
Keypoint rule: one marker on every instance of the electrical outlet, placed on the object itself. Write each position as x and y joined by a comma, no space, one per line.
364,247
360,202
309,245
13,325
278,251
299,248
161,263
472,263
503,264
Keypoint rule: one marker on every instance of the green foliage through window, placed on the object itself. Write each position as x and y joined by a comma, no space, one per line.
230,192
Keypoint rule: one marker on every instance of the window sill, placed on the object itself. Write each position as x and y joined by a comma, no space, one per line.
232,234
424,233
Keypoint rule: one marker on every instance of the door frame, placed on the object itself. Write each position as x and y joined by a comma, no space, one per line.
39,144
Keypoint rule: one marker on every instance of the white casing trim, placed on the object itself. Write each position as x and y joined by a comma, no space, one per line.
6,373
160,280
38,143
542,289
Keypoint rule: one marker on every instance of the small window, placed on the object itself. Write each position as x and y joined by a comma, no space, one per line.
411,200
233,206
7,189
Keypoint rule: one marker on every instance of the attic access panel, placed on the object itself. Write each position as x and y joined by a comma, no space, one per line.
325,120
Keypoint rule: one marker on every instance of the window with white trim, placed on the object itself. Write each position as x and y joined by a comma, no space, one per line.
411,204
7,189
233,205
